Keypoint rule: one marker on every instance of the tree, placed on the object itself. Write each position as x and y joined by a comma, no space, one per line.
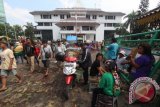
121,30
144,4
6,30
2,30
130,22
29,31
18,31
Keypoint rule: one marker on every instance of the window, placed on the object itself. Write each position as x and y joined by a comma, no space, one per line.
115,24
100,15
110,17
85,28
88,16
55,15
47,24
70,28
40,24
80,14
88,28
72,15
46,16
108,24
91,28
94,17
61,16
68,16
37,32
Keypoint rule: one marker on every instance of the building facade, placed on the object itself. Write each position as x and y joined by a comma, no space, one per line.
83,23
2,13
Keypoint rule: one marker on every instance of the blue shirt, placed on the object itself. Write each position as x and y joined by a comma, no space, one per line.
112,51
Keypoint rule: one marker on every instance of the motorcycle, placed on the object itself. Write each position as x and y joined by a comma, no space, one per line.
69,69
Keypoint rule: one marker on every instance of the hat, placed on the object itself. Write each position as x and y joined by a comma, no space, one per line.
17,43
88,41
58,40
4,42
122,52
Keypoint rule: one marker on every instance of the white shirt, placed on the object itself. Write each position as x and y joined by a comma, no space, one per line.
6,55
47,49
60,48
119,63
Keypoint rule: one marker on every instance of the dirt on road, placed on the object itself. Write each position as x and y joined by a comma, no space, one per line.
36,91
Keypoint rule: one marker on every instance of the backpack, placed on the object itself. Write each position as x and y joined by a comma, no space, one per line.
47,54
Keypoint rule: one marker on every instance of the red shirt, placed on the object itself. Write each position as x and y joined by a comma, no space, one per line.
37,51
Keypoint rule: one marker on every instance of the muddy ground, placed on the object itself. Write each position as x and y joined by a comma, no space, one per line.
36,91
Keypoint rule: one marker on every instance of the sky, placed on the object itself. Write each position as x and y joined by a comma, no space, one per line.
17,11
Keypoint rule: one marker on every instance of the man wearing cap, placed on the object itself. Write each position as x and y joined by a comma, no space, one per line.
8,65
121,61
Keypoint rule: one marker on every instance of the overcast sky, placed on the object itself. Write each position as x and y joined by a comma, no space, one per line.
17,11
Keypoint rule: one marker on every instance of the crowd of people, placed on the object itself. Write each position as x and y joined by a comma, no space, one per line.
116,61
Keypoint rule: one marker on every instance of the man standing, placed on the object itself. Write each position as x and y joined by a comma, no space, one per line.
112,50
60,47
29,52
46,54
8,65
86,63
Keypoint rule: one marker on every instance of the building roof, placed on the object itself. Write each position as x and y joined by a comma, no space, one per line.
149,17
68,10
151,12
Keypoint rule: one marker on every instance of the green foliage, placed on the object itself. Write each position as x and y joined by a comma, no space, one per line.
29,31
130,22
11,31
18,30
144,4
2,29
121,30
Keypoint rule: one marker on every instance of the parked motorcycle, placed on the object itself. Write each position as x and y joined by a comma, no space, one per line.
69,69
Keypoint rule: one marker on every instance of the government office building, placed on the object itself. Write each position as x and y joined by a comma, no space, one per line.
82,23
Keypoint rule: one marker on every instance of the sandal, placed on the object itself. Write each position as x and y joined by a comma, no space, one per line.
3,89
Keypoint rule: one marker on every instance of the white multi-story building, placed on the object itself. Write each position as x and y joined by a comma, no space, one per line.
84,23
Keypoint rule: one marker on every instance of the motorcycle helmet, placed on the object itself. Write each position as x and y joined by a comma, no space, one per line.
110,65
60,56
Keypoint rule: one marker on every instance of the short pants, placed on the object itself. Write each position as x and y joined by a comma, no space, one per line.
46,63
8,72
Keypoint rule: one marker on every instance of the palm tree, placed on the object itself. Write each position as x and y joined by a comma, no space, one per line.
130,22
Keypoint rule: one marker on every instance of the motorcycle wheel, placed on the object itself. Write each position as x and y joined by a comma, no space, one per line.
68,91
